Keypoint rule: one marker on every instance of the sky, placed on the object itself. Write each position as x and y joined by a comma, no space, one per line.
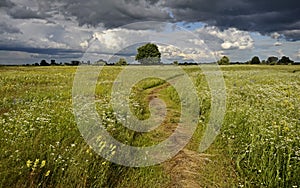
184,30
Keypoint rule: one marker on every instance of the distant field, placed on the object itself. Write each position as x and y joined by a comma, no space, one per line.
259,143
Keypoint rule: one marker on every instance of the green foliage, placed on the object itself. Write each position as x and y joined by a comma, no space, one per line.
263,62
255,60
44,63
148,54
285,61
122,61
224,61
272,60
150,83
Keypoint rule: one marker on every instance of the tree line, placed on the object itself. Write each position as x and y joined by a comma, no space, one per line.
149,54
272,60
54,63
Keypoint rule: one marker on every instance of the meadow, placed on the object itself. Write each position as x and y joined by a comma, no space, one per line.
258,145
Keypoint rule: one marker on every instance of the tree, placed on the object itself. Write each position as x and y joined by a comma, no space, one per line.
263,62
44,63
75,63
272,60
255,60
175,63
121,62
148,54
53,62
285,61
224,61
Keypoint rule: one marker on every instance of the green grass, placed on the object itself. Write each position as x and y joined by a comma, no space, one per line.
261,127
259,144
37,124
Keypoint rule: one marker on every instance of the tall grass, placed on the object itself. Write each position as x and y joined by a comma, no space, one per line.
41,145
261,128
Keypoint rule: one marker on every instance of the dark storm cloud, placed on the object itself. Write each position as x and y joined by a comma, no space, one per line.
6,4
293,35
255,15
46,51
262,16
111,13
23,12
5,28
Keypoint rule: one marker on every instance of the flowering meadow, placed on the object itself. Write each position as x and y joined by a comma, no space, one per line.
261,130
40,142
41,146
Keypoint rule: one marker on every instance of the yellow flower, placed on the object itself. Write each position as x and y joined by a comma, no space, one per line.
28,163
36,162
43,163
47,173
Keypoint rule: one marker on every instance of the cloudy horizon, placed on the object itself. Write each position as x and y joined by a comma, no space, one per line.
64,30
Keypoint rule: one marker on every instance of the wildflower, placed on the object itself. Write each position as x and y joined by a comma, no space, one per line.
286,128
43,163
28,163
47,173
36,162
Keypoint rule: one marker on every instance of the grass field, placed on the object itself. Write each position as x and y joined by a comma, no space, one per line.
259,143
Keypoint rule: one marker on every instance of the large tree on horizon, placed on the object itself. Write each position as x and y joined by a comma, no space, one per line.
255,60
285,61
224,61
272,60
148,54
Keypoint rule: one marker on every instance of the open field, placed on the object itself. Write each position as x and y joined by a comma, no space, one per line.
259,143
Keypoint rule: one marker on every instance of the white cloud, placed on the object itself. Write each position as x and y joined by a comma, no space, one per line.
232,38
177,44
38,33
171,52
204,44
275,35
84,44
197,41
277,43
229,45
111,39
180,44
